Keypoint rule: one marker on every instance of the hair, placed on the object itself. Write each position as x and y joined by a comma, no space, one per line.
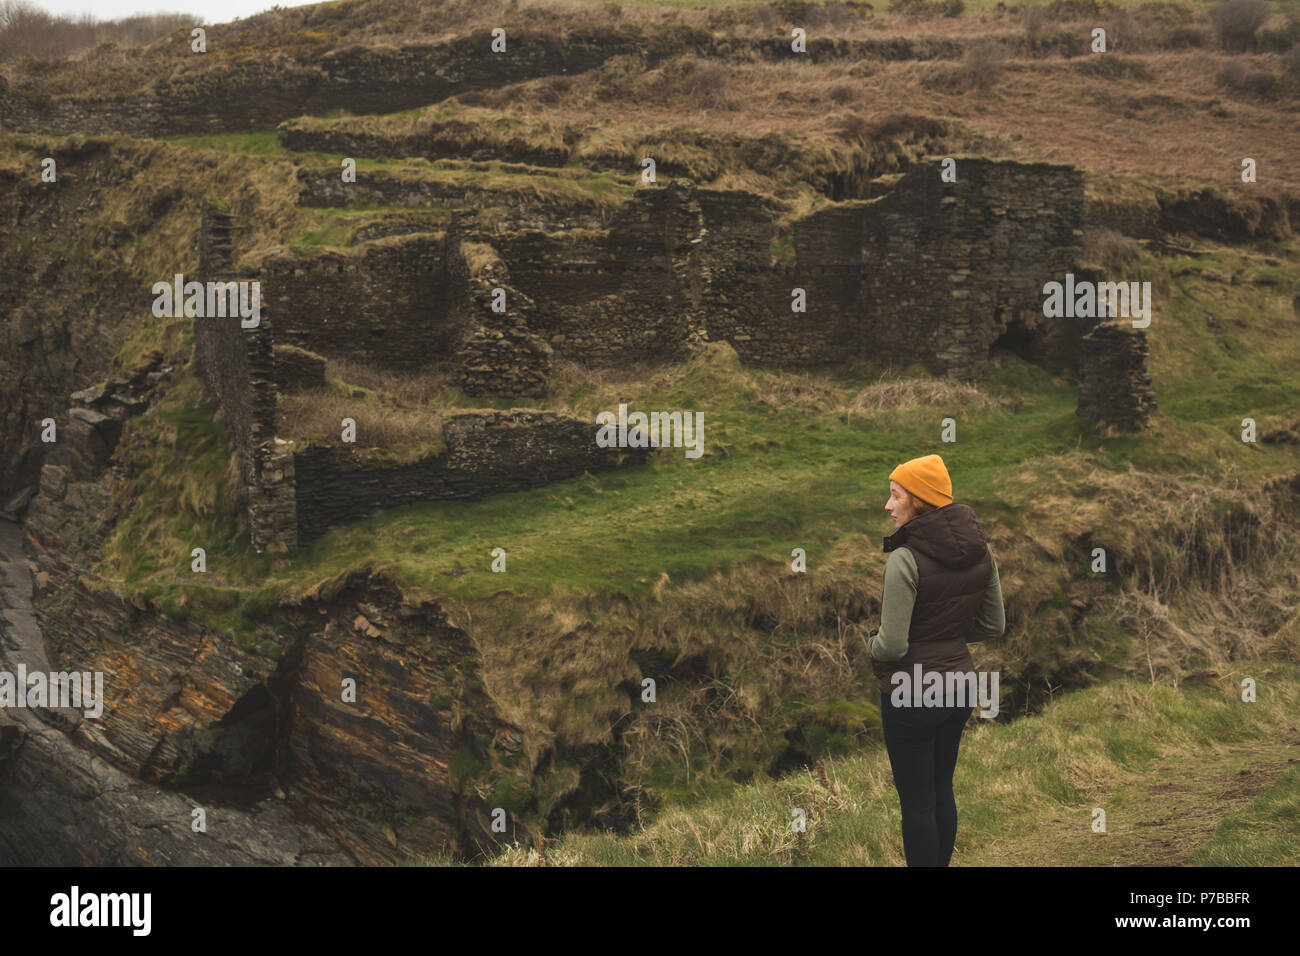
919,507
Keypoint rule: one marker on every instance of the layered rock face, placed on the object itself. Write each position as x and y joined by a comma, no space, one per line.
339,753
78,790
61,315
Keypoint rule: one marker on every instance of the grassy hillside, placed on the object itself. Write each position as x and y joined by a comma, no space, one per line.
1186,775
681,569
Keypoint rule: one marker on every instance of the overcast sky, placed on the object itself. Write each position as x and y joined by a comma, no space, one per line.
212,11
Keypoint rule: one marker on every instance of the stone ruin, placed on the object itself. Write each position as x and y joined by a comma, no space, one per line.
931,272
296,493
1115,390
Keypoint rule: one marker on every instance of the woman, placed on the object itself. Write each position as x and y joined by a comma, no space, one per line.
941,592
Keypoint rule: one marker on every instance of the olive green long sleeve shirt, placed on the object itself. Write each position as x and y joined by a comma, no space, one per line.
889,641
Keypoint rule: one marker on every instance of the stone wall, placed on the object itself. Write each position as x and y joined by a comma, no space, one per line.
949,266
297,369
1115,389
930,272
295,494
238,367
486,453
225,354
324,188
501,356
386,305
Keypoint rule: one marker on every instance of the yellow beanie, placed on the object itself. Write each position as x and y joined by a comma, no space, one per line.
925,478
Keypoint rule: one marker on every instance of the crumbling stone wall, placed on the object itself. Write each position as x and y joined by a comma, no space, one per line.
625,292
486,453
387,305
930,272
949,266
294,495
238,367
324,188
297,369
1115,389
225,353
500,356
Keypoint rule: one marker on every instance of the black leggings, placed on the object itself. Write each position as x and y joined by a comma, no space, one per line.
922,744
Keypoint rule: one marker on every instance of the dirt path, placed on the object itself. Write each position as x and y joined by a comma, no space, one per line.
1155,817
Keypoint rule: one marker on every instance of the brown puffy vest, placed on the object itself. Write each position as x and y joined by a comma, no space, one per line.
952,562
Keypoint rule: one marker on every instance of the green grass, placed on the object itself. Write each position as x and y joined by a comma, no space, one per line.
768,481
773,478
586,556
333,228
1026,792
1265,833
260,142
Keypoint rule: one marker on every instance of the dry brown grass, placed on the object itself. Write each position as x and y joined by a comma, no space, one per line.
912,393
402,388
1164,111
1116,252
318,415
1039,108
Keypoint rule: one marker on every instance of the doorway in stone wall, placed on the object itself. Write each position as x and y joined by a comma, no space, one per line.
1021,337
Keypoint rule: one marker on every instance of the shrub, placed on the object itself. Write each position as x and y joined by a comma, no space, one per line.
1113,67
833,14
928,9
982,65
552,89
1124,33
1186,36
1238,76
1075,10
841,94
1237,20
1034,20
703,82
1112,250
793,11
1291,62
